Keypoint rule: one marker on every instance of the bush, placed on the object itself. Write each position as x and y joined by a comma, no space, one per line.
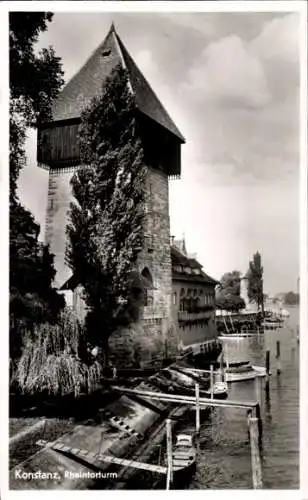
55,359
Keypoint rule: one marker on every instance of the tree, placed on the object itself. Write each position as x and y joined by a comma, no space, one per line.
105,229
34,81
228,294
255,281
291,299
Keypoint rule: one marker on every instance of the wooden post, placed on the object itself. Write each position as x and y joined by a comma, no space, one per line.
255,453
278,357
169,454
249,415
258,389
222,368
232,323
227,358
101,442
268,367
260,426
227,329
197,408
212,381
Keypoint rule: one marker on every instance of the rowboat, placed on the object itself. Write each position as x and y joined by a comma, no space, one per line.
220,391
183,458
235,371
240,372
184,381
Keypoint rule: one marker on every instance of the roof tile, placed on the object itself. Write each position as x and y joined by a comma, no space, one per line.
89,80
178,258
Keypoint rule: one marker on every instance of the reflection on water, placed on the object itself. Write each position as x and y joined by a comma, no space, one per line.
224,457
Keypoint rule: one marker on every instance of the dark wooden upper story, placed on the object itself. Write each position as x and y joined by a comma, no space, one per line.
58,140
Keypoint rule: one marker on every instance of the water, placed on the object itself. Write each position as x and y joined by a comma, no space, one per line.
224,452
223,447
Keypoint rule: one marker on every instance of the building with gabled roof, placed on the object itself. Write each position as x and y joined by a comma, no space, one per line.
193,297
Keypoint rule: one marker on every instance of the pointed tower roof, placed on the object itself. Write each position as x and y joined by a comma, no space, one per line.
87,83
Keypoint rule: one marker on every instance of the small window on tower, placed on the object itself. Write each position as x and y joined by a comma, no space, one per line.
106,53
147,287
149,243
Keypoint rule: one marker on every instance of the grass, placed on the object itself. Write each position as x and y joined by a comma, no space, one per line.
26,446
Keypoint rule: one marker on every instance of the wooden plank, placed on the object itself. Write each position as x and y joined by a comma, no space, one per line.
169,454
256,467
197,408
212,381
179,398
105,458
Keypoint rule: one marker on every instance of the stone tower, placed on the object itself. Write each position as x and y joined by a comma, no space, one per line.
58,150
244,294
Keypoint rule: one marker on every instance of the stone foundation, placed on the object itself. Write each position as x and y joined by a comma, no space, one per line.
139,345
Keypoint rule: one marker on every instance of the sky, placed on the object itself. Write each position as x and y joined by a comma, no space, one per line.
230,81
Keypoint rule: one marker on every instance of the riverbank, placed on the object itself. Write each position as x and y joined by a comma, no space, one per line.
119,425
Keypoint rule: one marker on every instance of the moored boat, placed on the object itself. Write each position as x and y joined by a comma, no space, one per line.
220,391
183,458
184,382
273,320
235,371
242,371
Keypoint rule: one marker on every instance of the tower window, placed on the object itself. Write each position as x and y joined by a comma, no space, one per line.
148,297
149,245
106,53
147,287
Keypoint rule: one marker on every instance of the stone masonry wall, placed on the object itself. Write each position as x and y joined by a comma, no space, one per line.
155,335
156,255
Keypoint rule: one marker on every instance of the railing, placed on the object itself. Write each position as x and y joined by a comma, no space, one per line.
190,316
